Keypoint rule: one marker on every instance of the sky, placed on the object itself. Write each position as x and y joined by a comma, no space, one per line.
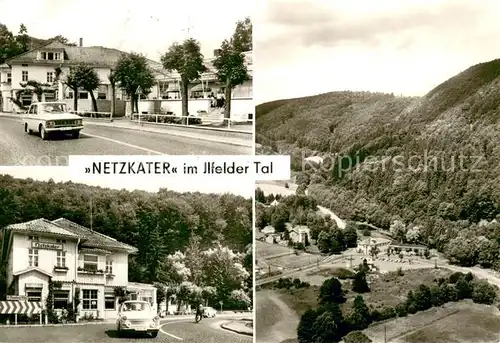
145,26
307,47
150,184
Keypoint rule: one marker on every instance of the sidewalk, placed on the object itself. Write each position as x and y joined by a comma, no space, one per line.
242,326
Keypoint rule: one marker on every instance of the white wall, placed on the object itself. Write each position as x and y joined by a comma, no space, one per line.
47,259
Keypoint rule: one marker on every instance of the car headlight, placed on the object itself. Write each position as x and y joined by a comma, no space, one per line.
123,318
79,122
49,124
156,319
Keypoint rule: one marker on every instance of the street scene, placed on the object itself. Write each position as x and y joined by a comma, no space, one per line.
182,330
389,227
81,263
61,94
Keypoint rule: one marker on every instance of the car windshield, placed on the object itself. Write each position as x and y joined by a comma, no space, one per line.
53,108
136,306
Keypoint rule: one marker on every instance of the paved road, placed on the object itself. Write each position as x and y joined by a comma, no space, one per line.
207,331
19,148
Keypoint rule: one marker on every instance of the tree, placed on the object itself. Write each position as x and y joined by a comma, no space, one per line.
187,60
23,39
305,332
35,87
324,241
351,236
359,284
360,318
422,298
132,73
374,251
230,64
87,78
331,292
398,230
326,329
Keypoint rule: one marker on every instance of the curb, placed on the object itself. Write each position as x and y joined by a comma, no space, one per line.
178,135
225,327
152,131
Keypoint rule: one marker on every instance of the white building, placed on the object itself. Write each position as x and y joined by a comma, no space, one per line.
365,246
85,262
41,64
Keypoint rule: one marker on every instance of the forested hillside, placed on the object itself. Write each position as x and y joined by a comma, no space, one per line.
158,224
430,164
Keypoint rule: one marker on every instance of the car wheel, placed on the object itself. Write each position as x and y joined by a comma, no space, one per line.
154,334
43,134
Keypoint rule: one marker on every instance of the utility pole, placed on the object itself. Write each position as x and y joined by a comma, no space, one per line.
91,217
385,333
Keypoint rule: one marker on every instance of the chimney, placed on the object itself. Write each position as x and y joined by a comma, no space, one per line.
216,52
81,41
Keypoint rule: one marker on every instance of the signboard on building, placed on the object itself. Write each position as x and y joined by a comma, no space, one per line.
17,298
46,245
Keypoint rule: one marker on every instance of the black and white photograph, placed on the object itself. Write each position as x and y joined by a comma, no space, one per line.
388,230
124,78
98,263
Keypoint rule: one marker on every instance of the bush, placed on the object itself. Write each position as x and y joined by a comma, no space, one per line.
344,274
367,233
387,313
483,293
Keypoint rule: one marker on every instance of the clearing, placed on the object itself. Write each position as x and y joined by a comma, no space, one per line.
454,322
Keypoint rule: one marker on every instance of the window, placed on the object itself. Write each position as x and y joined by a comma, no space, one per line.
70,95
43,55
109,301
33,238
109,267
24,75
9,77
133,296
89,299
61,259
62,241
35,296
101,96
83,95
50,76
90,262
148,299
33,257
24,65
57,56
50,56
26,99
61,299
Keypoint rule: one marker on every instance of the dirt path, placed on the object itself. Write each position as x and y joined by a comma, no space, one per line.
276,322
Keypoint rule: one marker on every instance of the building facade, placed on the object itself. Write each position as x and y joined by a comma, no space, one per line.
85,263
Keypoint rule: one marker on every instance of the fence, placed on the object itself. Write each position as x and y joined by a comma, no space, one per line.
94,115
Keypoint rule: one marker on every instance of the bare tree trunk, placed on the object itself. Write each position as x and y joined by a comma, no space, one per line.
75,99
185,106
228,93
137,98
94,101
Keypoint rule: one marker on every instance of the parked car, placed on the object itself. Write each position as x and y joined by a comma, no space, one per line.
209,312
49,117
137,316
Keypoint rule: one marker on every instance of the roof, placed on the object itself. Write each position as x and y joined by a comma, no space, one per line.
93,239
268,229
93,55
95,251
406,245
41,226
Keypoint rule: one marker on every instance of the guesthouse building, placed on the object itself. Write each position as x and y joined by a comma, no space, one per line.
86,265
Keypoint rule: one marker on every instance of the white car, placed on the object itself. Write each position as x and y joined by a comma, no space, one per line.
48,117
209,312
137,316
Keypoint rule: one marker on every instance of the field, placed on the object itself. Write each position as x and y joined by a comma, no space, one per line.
454,322
277,187
264,249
